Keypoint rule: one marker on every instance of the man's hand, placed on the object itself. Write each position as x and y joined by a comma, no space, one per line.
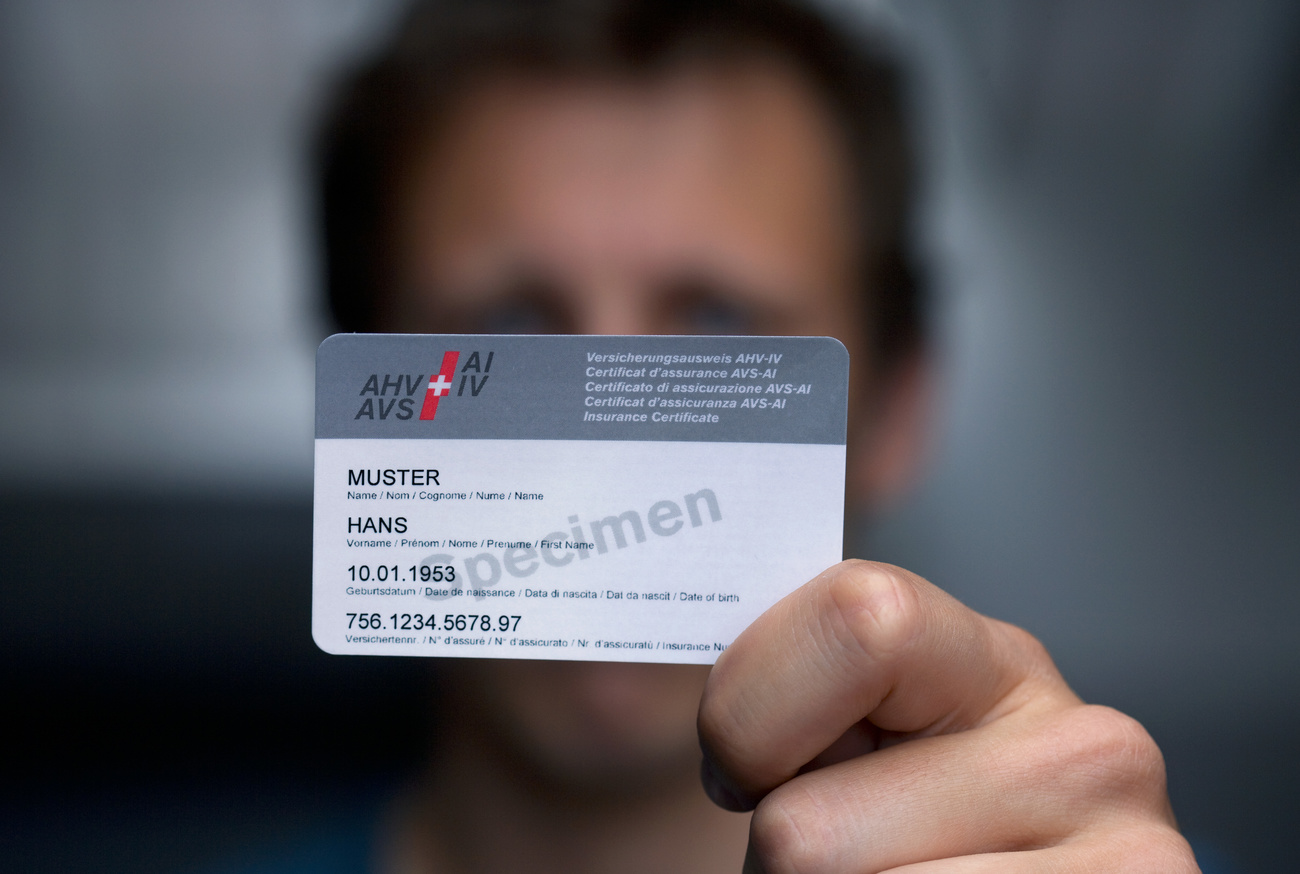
873,722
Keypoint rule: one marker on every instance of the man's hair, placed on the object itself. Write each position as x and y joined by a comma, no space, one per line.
388,106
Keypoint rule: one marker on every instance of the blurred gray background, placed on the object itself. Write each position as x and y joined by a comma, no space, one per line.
1113,222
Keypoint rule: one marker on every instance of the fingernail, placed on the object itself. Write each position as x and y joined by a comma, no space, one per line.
720,791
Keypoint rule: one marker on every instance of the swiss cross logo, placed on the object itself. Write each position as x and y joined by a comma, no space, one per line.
393,396
440,386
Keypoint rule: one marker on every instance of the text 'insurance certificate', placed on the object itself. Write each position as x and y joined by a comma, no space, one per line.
570,497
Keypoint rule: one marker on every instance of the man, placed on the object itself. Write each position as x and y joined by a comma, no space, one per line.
727,167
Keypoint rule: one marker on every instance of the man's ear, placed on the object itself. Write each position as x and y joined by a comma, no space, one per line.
889,442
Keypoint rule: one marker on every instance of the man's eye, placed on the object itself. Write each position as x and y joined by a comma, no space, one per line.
721,317
526,306
702,308
516,317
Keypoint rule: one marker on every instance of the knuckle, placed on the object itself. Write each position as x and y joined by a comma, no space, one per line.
1155,849
877,606
1030,649
1172,853
789,833
1114,753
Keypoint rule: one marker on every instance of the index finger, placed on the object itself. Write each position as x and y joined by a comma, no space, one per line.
862,640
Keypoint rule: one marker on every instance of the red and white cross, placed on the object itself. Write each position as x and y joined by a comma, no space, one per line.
439,385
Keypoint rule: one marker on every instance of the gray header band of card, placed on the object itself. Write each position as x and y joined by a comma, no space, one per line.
522,387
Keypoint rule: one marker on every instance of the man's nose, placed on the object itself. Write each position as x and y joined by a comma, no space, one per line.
613,306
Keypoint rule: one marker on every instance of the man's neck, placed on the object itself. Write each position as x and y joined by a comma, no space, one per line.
480,811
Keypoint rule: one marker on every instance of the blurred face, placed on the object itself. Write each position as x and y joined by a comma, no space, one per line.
713,199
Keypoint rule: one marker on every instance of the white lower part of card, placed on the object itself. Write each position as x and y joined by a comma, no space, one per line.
564,549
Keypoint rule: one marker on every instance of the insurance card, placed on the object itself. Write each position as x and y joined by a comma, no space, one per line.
570,497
